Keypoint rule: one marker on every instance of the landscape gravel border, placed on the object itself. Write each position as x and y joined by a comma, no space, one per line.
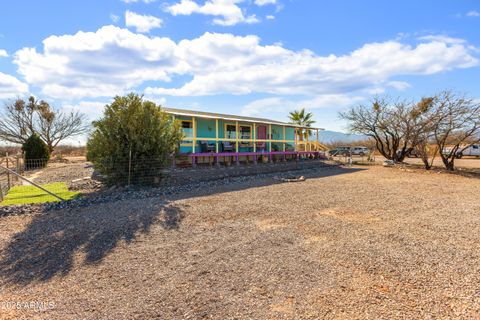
133,192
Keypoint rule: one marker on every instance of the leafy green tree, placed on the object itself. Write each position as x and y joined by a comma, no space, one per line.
133,141
36,152
304,119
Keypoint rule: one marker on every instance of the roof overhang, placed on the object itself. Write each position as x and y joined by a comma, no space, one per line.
208,115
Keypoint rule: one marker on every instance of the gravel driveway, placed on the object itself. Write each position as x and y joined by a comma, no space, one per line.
355,243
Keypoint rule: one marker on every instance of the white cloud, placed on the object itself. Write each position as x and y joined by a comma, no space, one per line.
270,17
11,87
230,13
114,17
142,23
113,60
3,53
282,105
473,13
265,2
95,64
240,65
442,38
399,85
92,109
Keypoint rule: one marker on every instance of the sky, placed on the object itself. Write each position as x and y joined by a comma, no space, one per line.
252,57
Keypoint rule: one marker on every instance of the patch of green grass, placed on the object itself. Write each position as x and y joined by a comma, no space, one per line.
31,194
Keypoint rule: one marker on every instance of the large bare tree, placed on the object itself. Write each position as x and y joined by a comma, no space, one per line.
455,125
390,124
20,119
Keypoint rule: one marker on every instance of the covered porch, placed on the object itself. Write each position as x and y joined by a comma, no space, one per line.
218,138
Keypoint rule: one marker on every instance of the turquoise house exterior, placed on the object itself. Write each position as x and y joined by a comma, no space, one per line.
223,135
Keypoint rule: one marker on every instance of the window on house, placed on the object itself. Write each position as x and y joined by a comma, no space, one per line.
230,131
187,127
245,132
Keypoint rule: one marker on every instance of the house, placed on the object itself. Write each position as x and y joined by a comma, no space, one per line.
223,137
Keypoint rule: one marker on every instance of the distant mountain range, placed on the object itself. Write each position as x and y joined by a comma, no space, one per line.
328,136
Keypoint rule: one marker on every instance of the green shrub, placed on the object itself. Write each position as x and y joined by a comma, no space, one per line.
136,129
36,152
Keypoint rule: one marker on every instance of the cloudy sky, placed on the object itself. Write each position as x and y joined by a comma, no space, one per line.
251,57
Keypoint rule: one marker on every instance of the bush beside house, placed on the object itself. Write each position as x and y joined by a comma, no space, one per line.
133,141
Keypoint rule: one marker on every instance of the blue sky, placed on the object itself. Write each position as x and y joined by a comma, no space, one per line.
252,57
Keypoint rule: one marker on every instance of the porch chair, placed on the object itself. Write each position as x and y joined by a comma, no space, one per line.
227,146
205,147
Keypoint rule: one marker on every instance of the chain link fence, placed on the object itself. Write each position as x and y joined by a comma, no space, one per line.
17,185
39,180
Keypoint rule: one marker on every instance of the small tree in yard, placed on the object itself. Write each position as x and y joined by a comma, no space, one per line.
391,125
133,139
35,150
455,124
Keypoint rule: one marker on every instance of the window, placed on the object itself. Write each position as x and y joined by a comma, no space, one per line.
474,146
245,132
230,131
187,127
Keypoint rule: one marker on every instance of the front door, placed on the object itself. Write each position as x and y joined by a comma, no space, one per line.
261,135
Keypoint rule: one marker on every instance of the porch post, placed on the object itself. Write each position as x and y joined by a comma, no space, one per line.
237,136
216,143
270,142
284,144
254,137
194,136
254,142
308,144
216,135
295,139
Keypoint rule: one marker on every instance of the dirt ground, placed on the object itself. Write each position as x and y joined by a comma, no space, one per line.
363,242
467,162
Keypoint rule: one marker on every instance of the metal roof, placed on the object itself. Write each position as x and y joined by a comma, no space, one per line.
229,117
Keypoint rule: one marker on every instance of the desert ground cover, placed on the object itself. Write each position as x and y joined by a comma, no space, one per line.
359,242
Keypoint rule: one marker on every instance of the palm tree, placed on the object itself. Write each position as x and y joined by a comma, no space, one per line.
300,118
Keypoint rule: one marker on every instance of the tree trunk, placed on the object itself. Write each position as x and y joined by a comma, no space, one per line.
450,166
426,163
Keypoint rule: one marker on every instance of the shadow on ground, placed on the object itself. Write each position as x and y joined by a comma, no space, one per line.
48,245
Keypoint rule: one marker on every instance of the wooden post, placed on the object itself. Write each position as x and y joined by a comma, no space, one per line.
216,137
237,133
269,138
307,147
8,175
194,134
255,139
295,139
1,192
270,142
17,167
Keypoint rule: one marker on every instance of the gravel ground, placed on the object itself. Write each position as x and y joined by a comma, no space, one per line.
359,242
61,172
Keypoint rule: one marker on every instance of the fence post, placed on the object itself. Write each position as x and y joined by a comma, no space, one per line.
17,165
8,176
129,165
1,192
